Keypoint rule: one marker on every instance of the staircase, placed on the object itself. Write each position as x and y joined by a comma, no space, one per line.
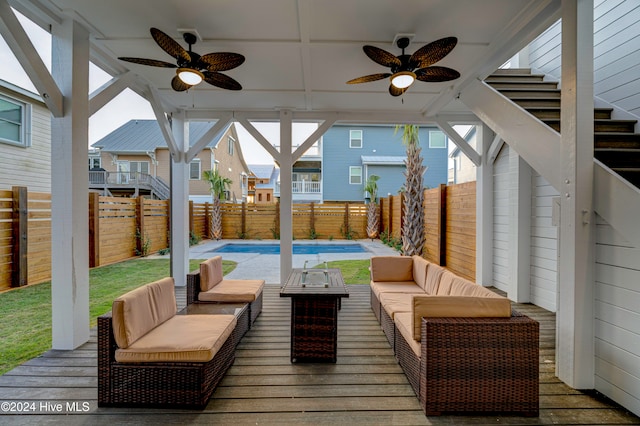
615,143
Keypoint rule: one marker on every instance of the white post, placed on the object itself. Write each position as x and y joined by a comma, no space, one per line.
484,208
69,190
519,229
286,215
180,201
575,363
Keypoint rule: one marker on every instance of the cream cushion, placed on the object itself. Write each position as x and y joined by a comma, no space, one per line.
233,291
420,270
183,338
210,273
141,310
395,287
393,303
444,286
391,268
403,322
434,274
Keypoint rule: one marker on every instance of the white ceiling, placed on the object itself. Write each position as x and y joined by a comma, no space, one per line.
300,53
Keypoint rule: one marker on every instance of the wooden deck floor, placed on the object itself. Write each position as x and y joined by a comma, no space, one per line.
365,386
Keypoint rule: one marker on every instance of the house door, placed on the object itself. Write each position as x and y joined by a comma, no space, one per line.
123,172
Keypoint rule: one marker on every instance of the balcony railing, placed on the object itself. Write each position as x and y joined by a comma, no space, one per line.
302,187
135,180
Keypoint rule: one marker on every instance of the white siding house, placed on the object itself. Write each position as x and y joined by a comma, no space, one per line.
25,140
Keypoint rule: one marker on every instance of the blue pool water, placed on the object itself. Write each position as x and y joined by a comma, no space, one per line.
297,248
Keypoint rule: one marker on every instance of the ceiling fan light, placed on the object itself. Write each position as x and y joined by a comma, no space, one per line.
190,76
403,79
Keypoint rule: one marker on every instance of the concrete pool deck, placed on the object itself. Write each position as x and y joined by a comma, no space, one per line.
267,266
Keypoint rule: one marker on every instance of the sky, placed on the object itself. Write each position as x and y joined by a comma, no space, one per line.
129,105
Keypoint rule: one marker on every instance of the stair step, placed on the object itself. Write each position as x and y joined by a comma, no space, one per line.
527,103
503,71
554,112
514,78
531,93
618,158
524,85
600,126
631,175
617,140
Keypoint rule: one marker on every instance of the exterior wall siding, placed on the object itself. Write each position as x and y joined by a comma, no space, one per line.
376,141
501,188
544,245
616,53
28,166
617,320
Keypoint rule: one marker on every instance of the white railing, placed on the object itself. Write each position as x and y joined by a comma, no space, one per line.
302,187
105,180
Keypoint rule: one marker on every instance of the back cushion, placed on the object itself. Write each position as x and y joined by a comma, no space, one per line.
135,313
434,275
210,273
391,268
420,270
446,280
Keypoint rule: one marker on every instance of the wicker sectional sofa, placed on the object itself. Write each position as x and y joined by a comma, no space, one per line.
149,356
461,346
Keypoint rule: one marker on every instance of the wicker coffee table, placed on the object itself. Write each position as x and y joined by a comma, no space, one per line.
315,301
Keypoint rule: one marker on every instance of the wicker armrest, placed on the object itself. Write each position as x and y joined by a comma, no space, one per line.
193,287
480,365
106,356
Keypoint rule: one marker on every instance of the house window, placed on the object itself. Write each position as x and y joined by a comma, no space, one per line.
355,175
355,138
437,140
260,197
194,169
268,198
230,142
14,122
95,162
139,167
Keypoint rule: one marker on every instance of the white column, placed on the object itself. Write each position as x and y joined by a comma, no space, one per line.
69,190
575,316
484,208
286,215
180,201
519,229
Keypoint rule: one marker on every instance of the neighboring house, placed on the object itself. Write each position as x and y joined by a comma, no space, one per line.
462,168
357,152
306,176
262,181
136,161
25,139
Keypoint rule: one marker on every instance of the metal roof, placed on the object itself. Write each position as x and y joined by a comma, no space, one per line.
262,171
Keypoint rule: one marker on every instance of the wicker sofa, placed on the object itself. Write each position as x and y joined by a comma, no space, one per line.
149,356
207,285
461,346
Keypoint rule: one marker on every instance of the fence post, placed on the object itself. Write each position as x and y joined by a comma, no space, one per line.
243,226
276,221
191,231
140,225
442,232
312,218
207,220
346,219
94,229
402,214
20,215
390,207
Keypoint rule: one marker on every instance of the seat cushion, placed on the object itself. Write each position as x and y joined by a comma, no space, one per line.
210,273
236,291
395,287
393,303
183,338
403,321
391,268
139,311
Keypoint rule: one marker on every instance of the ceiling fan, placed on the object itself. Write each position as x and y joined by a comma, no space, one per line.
405,69
191,67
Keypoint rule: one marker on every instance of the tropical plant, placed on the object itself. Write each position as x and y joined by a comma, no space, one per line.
413,224
373,218
218,186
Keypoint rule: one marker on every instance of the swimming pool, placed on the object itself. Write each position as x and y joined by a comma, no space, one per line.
297,248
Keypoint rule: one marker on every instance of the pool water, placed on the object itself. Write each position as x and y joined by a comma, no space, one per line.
297,248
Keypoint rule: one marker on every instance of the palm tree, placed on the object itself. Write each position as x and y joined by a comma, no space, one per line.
373,218
413,225
218,185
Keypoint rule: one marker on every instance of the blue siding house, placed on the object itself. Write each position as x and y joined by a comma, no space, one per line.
357,151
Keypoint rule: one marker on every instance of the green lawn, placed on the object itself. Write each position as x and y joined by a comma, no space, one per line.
353,271
25,313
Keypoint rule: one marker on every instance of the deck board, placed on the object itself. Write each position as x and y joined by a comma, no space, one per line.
365,386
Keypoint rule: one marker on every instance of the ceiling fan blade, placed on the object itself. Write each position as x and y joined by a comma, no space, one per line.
179,85
433,52
394,91
170,46
368,78
221,61
150,62
381,57
436,74
220,80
